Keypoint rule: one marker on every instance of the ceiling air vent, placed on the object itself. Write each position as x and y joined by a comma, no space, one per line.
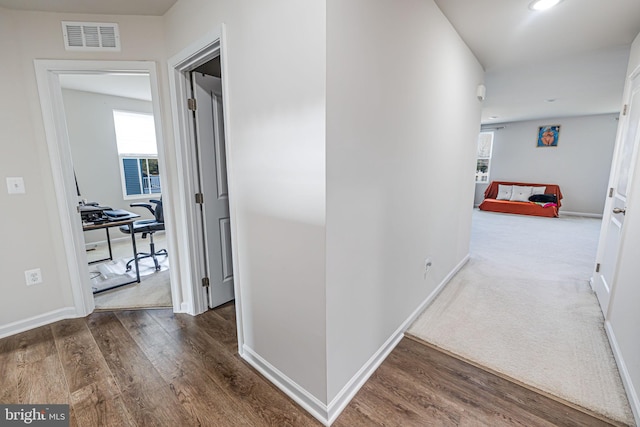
91,36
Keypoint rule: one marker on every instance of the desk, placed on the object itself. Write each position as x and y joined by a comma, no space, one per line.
106,225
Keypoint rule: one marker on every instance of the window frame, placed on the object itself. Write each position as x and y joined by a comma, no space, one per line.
485,158
123,180
122,156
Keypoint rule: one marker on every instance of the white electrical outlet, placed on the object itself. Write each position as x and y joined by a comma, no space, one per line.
15,185
33,277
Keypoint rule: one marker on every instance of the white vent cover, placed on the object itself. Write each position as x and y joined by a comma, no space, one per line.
91,36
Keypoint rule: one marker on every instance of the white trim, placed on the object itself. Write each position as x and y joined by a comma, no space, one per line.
606,297
582,214
47,72
632,394
113,240
190,241
435,292
342,399
37,321
231,187
301,396
208,47
327,414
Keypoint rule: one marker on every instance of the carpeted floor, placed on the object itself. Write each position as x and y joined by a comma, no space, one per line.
523,308
154,289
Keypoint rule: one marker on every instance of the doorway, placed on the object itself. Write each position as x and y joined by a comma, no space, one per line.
111,132
205,58
622,172
71,187
212,183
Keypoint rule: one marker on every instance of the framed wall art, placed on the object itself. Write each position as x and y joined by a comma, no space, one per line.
548,136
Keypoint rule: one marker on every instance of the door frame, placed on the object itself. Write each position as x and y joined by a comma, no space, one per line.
608,206
180,65
54,119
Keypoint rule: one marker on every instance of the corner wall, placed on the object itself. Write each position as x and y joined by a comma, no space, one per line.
402,126
580,163
276,164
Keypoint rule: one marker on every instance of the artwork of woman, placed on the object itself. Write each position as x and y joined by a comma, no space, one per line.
548,136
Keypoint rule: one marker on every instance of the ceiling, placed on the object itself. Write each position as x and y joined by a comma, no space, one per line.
126,85
110,7
574,55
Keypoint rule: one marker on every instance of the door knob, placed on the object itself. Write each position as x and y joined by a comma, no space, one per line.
618,210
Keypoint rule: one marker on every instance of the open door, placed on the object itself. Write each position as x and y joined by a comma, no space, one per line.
214,199
613,219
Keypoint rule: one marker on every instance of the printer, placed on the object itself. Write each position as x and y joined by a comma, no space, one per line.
92,212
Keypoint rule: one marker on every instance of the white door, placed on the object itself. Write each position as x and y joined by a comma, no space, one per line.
613,218
212,165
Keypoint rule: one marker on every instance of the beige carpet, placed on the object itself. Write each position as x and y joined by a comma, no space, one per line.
154,289
523,307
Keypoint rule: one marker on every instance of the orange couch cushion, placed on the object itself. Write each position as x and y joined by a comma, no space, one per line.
523,208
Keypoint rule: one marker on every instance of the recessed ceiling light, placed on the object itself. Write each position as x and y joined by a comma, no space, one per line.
543,4
493,117
550,100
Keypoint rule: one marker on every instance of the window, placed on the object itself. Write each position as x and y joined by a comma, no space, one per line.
483,163
138,153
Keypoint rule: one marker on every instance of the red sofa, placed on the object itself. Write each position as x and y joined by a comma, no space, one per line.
490,202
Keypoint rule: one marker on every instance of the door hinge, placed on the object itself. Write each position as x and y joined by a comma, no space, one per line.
611,192
205,282
598,268
191,104
199,198
624,109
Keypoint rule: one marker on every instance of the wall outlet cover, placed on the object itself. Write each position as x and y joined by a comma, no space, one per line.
33,277
15,185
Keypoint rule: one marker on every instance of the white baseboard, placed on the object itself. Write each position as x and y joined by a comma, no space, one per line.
342,399
434,294
632,394
327,414
37,321
301,396
584,214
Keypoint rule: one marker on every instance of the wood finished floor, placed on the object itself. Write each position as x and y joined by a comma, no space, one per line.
156,368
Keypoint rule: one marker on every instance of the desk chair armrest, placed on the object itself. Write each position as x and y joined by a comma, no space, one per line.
143,205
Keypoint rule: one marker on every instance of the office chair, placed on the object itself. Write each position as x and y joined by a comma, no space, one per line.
148,226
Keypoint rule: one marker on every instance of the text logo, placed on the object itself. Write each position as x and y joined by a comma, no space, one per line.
34,415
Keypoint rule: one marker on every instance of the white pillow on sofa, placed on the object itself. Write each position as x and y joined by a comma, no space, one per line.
504,192
520,193
538,190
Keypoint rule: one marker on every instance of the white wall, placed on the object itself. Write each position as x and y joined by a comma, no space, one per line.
623,314
276,149
31,224
338,194
402,124
580,163
402,121
95,154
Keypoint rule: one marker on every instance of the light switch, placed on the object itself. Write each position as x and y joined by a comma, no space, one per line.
15,185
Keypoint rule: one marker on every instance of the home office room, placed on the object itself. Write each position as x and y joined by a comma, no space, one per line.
111,134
